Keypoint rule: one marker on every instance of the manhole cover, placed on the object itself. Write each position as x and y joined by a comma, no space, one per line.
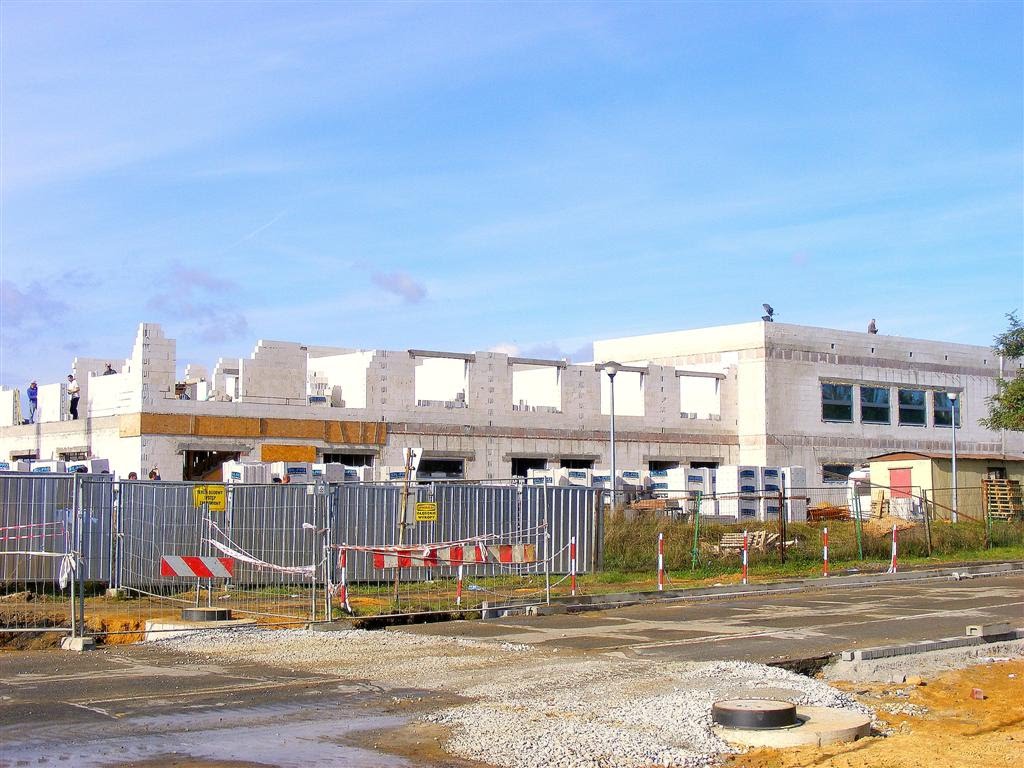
754,714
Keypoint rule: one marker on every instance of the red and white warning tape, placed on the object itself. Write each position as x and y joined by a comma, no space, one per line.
433,557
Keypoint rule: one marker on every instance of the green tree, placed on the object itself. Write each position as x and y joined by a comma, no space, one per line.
1006,406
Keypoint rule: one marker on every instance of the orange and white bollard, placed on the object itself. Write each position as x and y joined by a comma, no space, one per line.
343,586
458,588
746,543
572,565
892,563
661,562
824,552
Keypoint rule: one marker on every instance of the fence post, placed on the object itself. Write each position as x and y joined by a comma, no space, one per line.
857,510
661,562
988,527
343,586
70,546
548,554
572,565
745,546
696,532
928,522
782,525
824,552
892,562
80,547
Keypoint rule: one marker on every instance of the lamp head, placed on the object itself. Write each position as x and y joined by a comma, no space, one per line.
952,396
612,367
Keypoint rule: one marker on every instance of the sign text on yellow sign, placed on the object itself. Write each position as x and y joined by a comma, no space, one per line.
426,511
214,496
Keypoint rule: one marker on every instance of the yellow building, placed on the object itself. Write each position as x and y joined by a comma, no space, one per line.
929,476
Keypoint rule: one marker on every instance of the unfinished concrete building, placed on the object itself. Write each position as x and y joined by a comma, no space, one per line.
757,393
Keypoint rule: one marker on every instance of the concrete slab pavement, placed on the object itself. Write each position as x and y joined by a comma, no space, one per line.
768,628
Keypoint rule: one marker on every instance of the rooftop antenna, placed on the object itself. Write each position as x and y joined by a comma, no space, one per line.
769,313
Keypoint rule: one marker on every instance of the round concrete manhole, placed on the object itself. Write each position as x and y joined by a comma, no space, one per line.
814,726
754,714
205,614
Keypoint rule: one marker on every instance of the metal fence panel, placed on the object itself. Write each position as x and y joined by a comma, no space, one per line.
368,516
282,525
275,534
38,533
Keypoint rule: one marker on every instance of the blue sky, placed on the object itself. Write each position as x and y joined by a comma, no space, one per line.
515,176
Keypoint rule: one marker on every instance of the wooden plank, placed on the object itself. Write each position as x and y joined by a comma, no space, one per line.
272,452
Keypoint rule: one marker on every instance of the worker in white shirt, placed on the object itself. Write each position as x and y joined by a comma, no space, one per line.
73,392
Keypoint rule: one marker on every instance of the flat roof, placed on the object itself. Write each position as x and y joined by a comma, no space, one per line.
911,455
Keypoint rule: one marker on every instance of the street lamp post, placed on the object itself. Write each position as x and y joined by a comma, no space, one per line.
953,414
612,368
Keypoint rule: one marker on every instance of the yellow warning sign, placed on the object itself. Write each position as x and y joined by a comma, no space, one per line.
426,511
213,496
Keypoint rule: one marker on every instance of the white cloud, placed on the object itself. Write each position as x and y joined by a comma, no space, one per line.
401,284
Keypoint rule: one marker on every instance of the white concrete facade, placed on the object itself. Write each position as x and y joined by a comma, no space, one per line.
779,370
742,394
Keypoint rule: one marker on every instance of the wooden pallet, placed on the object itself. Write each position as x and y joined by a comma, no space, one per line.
1002,498
826,511
759,540
657,505
879,504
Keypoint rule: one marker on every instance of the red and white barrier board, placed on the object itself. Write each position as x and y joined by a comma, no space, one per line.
472,554
197,567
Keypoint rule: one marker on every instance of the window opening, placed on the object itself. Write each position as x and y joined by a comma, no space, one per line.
912,407
874,405
836,402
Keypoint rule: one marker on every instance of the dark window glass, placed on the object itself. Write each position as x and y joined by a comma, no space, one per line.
836,473
943,411
521,466
836,402
874,405
912,407
440,468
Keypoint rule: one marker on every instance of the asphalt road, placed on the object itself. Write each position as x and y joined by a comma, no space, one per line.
144,706
770,628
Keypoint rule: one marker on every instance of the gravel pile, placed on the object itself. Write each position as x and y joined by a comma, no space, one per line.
531,708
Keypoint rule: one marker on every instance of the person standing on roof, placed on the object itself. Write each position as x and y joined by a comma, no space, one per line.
73,392
109,370
33,401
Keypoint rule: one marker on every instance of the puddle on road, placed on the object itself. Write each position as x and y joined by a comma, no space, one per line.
285,736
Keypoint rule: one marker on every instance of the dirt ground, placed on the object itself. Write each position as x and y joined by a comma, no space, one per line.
934,723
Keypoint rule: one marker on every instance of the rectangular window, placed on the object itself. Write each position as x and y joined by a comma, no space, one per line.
441,469
576,463
874,405
944,411
836,402
836,473
522,465
912,407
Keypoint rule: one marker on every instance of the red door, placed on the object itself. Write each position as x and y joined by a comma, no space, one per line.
899,483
